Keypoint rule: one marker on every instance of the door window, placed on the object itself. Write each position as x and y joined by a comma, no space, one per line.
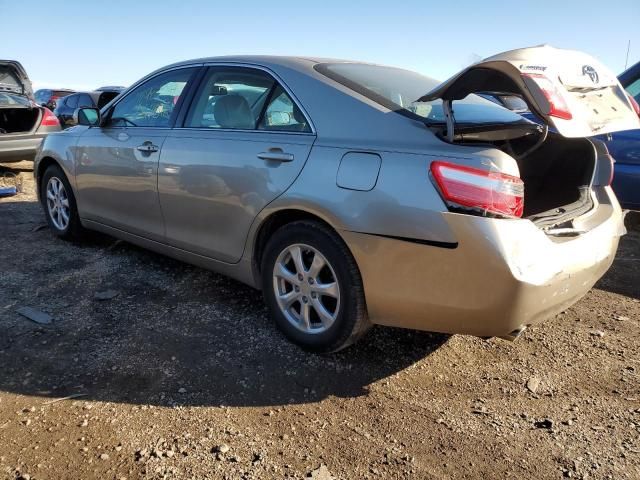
236,97
85,101
282,114
153,103
71,101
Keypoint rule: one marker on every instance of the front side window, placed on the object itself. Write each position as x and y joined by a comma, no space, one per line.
243,99
399,90
153,103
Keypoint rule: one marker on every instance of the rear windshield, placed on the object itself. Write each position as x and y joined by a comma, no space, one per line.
8,99
61,93
399,90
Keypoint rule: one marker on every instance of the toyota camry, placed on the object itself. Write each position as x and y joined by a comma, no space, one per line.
355,194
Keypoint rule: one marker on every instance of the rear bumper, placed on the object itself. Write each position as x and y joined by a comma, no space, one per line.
16,148
626,184
504,274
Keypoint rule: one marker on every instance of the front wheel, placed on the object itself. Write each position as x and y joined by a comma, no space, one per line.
313,288
59,204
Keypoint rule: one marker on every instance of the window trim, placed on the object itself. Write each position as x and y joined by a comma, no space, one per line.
277,79
107,110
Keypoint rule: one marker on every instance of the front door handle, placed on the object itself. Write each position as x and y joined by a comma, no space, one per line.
276,155
148,147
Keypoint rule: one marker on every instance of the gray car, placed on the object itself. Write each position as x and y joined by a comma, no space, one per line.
355,194
23,123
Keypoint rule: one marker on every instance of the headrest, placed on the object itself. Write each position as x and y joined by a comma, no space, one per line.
233,111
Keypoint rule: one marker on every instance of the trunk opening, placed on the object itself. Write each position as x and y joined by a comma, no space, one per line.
18,120
557,177
557,172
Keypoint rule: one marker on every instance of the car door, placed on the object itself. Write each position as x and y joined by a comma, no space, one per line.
117,163
242,143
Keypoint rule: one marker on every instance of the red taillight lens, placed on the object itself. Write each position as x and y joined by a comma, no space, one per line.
558,105
49,119
493,192
634,104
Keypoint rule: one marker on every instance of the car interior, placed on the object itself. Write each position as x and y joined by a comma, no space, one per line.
236,100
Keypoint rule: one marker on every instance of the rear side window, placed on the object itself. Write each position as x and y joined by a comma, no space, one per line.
85,100
282,114
399,90
243,99
72,101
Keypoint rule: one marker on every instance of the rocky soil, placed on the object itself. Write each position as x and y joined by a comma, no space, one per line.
151,368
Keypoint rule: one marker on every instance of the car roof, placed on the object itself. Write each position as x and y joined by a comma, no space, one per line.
301,62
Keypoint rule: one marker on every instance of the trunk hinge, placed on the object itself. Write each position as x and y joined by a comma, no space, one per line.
447,107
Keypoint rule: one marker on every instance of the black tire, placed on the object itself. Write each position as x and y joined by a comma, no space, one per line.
351,321
73,230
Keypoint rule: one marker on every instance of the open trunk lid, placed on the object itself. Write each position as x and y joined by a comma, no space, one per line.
570,90
14,79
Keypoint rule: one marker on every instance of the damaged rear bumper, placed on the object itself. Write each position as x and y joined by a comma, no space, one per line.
503,276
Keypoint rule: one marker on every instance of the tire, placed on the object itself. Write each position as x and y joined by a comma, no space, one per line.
71,229
332,323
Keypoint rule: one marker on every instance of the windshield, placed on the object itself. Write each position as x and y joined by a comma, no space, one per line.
399,89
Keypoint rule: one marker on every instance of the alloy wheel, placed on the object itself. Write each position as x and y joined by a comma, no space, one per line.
58,203
306,288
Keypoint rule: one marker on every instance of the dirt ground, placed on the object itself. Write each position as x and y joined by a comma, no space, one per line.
182,375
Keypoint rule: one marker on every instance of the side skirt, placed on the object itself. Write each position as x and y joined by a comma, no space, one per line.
240,271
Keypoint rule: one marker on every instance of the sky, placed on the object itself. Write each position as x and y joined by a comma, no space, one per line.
87,44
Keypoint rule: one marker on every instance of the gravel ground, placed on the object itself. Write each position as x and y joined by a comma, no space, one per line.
176,372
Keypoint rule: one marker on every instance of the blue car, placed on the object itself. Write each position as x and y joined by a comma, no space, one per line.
623,146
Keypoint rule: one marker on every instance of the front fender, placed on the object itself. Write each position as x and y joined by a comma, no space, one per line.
59,147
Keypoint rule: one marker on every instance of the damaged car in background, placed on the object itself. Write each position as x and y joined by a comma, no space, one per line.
355,194
23,123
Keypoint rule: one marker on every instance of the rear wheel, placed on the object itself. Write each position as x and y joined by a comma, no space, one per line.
313,288
59,204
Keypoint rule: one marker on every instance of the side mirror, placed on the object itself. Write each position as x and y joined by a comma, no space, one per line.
86,116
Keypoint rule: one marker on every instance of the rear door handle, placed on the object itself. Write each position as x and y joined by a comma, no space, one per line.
148,147
277,156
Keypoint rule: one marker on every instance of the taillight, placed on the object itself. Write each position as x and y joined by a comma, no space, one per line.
558,105
49,119
634,104
483,190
